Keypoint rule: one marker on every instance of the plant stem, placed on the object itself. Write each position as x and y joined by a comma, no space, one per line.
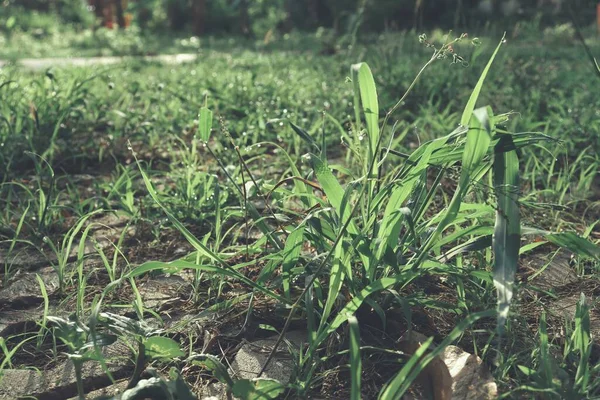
140,365
80,392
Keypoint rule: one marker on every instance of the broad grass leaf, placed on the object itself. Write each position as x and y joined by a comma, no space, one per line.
390,225
205,123
302,190
162,347
213,364
507,231
336,279
257,389
333,190
576,244
478,140
568,240
479,137
368,96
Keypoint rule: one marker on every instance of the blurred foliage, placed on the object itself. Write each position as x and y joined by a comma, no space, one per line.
258,18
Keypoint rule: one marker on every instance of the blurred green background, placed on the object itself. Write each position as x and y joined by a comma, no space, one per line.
107,27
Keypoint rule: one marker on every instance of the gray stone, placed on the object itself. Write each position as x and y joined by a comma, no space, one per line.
550,273
213,391
252,356
163,290
25,288
60,382
471,379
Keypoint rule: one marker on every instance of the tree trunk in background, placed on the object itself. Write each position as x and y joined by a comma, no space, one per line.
313,11
98,8
120,13
245,25
199,12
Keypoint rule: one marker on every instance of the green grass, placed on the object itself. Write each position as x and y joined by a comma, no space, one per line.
349,194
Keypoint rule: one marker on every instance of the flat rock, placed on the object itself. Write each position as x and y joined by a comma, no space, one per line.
552,272
25,290
163,289
566,306
454,374
213,391
252,356
471,379
20,321
60,383
26,258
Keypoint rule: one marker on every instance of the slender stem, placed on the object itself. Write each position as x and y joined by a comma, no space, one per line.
258,190
140,365
78,377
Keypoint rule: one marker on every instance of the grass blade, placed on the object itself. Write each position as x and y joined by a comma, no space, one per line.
355,360
507,231
368,95
205,123
468,111
582,341
197,244
291,254
305,136
575,243
178,265
333,190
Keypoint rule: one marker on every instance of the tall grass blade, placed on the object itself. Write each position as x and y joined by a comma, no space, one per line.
336,279
478,141
400,383
291,254
349,309
583,344
468,111
355,360
507,231
544,358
